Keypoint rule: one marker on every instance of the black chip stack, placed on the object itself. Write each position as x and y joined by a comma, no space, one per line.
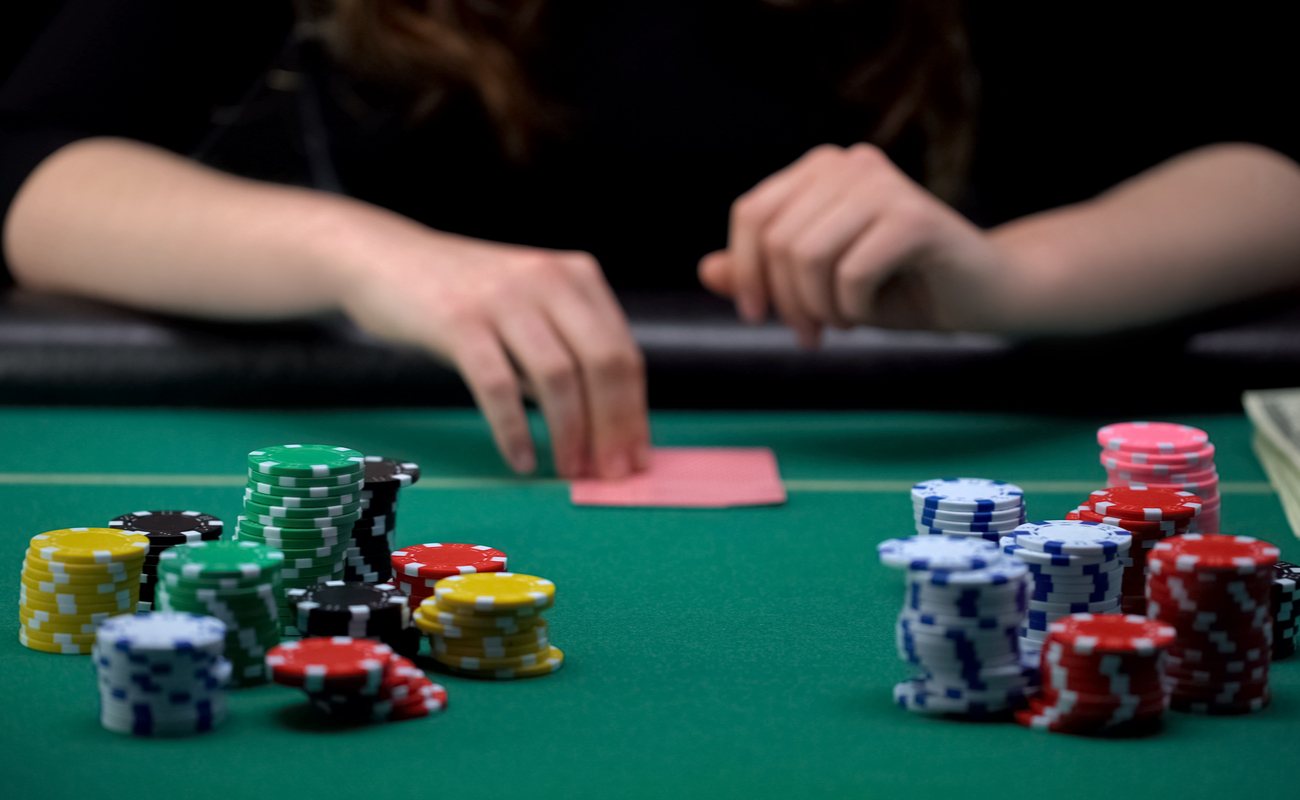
1286,604
373,536
358,610
165,529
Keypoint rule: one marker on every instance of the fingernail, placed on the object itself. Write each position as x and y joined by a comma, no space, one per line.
617,466
750,311
523,461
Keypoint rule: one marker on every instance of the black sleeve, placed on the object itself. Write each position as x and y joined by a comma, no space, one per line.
150,70
1077,99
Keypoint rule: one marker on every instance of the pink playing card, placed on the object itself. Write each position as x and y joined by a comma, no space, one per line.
692,477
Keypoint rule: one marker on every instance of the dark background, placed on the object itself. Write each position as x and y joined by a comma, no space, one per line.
1075,99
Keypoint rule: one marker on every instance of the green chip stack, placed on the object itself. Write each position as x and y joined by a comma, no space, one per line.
303,500
236,582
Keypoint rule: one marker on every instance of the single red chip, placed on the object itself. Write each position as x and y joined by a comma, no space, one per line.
1139,502
330,663
1193,552
1110,633
444,559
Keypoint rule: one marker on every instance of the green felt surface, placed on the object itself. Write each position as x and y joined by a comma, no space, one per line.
738,654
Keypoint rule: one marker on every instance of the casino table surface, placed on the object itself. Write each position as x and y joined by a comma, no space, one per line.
744,653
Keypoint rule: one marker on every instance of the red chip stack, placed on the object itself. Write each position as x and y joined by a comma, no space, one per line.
1101,675
419,567
1216,592
357,680
1164,455
1151,516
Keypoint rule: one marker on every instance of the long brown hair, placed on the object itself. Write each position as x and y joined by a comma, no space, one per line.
919,80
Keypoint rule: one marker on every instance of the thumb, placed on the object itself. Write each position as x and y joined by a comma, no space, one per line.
717,275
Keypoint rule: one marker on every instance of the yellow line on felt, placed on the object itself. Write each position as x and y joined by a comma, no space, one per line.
433,482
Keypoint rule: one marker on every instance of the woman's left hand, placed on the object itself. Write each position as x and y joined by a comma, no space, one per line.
843,237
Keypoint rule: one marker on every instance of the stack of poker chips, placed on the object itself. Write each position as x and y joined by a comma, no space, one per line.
1164,455
973,507
74,578
236,582
367,557
418,568
161,674
359,610
1286,604
963,607
303,500
489,625
1150,516
165,529
1216,592
1076,567
1101,675
356,680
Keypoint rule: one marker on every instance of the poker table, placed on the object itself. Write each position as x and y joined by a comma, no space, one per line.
743,653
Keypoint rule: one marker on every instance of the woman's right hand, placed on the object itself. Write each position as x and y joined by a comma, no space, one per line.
514,321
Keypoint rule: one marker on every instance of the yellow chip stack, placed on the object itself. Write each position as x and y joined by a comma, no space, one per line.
73,579
489,624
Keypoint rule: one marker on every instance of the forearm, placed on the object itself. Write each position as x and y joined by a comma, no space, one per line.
130,223
1212,226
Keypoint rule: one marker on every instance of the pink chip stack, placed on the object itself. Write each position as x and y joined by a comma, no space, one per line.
1163,455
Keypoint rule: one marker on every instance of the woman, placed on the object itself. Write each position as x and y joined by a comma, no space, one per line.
500,159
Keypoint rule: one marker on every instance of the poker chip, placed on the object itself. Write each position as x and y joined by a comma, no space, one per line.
161,674
494,592
488,625
306,461
967,495
938,553
418,568
1064,537
166,529
238,582
361,611
72,579
330,663
1217,592
380,471
89,546
963,605
303,500
1152,437
1141,503
1285,601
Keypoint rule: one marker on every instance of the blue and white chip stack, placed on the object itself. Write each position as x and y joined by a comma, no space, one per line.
1076,567
161,674
959,628
978,508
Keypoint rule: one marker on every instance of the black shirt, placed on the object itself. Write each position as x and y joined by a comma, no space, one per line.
672,110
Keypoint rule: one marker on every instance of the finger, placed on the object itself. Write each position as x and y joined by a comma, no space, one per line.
749,216
613,380
791,256
482,362
785,297
867,267
716,274
823,245
552,373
